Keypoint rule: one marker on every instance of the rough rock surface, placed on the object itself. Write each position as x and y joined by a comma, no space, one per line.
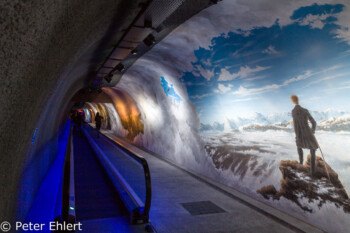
233,157
297,184
48,51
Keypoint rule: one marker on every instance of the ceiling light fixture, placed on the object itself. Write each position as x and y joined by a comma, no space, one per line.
120,67
109,77
149,40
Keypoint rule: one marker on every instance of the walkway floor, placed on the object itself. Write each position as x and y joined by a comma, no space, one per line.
95,195
173,186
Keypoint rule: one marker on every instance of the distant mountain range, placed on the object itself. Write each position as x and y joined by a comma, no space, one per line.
329,120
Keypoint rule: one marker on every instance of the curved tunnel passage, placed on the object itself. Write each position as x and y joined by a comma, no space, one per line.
101,108
228,115
219,103
118,110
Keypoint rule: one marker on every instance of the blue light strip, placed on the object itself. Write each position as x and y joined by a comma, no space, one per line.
44,205
34,135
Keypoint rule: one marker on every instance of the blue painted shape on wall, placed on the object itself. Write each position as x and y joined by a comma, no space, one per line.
169,90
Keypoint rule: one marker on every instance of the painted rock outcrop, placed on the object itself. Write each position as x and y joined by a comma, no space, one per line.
304,190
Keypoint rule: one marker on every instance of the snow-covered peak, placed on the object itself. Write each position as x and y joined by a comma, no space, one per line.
328,117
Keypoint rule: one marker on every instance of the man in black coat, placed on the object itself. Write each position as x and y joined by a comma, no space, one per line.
304,135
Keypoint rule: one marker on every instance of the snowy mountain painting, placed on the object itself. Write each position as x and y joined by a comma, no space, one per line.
215,97
240,80
329,120
249,156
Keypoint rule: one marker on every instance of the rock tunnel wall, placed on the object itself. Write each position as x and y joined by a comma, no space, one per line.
214,97
48,49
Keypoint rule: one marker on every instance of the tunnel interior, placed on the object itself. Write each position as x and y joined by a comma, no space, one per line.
208,89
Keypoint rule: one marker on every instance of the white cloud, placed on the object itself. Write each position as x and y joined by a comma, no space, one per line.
207,74
255,78
242,100
196,73
314,21
338,88
239,16
326,78
225,75
244,71
254,91
222,89
245,15
200,96
300,77
270,50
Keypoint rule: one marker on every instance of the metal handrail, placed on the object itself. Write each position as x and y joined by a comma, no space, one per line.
142,213
147,173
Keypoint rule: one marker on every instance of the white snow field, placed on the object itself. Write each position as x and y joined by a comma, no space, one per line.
269,148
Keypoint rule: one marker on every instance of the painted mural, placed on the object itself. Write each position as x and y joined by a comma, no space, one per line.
218,100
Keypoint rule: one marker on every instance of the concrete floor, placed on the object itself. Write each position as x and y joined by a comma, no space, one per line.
171,186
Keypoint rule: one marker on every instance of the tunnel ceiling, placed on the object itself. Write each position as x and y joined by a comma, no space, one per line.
151,25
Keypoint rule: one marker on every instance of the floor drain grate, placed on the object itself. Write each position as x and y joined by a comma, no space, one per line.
202,207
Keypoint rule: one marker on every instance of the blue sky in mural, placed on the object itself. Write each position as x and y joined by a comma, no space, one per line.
169,90
248,69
